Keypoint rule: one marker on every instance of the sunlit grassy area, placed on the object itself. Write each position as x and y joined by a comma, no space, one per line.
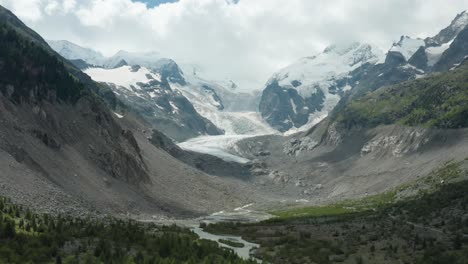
449,172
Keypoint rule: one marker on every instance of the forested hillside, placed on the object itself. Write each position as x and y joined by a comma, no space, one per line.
27,237
29,73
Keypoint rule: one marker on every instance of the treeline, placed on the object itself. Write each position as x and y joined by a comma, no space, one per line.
27,237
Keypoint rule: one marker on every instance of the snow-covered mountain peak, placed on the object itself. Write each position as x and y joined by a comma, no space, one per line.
147,59
150,55
341,49
407,46
355,51
320,70
460,21
431,48
299,95
71,51
449,33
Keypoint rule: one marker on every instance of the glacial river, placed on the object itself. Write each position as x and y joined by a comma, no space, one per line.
242,214
243,252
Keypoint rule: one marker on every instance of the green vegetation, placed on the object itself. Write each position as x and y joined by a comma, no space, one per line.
439,100
421,222
26,237
327,210
345,207
231,243
30,73
449,172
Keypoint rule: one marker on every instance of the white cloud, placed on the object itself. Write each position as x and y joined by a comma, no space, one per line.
29,10
68,5
51,7
247,41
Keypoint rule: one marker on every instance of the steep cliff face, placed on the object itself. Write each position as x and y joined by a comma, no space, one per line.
33,77
282,108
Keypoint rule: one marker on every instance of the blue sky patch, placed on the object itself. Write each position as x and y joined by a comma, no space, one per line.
153,3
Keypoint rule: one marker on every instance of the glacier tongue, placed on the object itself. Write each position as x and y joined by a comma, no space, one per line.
220,146
209,98
238,125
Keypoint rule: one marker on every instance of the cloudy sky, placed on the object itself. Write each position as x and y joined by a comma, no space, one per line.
246,40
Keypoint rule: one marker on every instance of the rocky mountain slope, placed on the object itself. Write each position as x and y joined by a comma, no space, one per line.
141,81
148,93
63,150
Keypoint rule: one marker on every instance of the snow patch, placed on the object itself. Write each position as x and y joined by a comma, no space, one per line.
123,76
118,115
243,208
293,105
314,119
174,107
153,94
409,66
347,88
434,53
